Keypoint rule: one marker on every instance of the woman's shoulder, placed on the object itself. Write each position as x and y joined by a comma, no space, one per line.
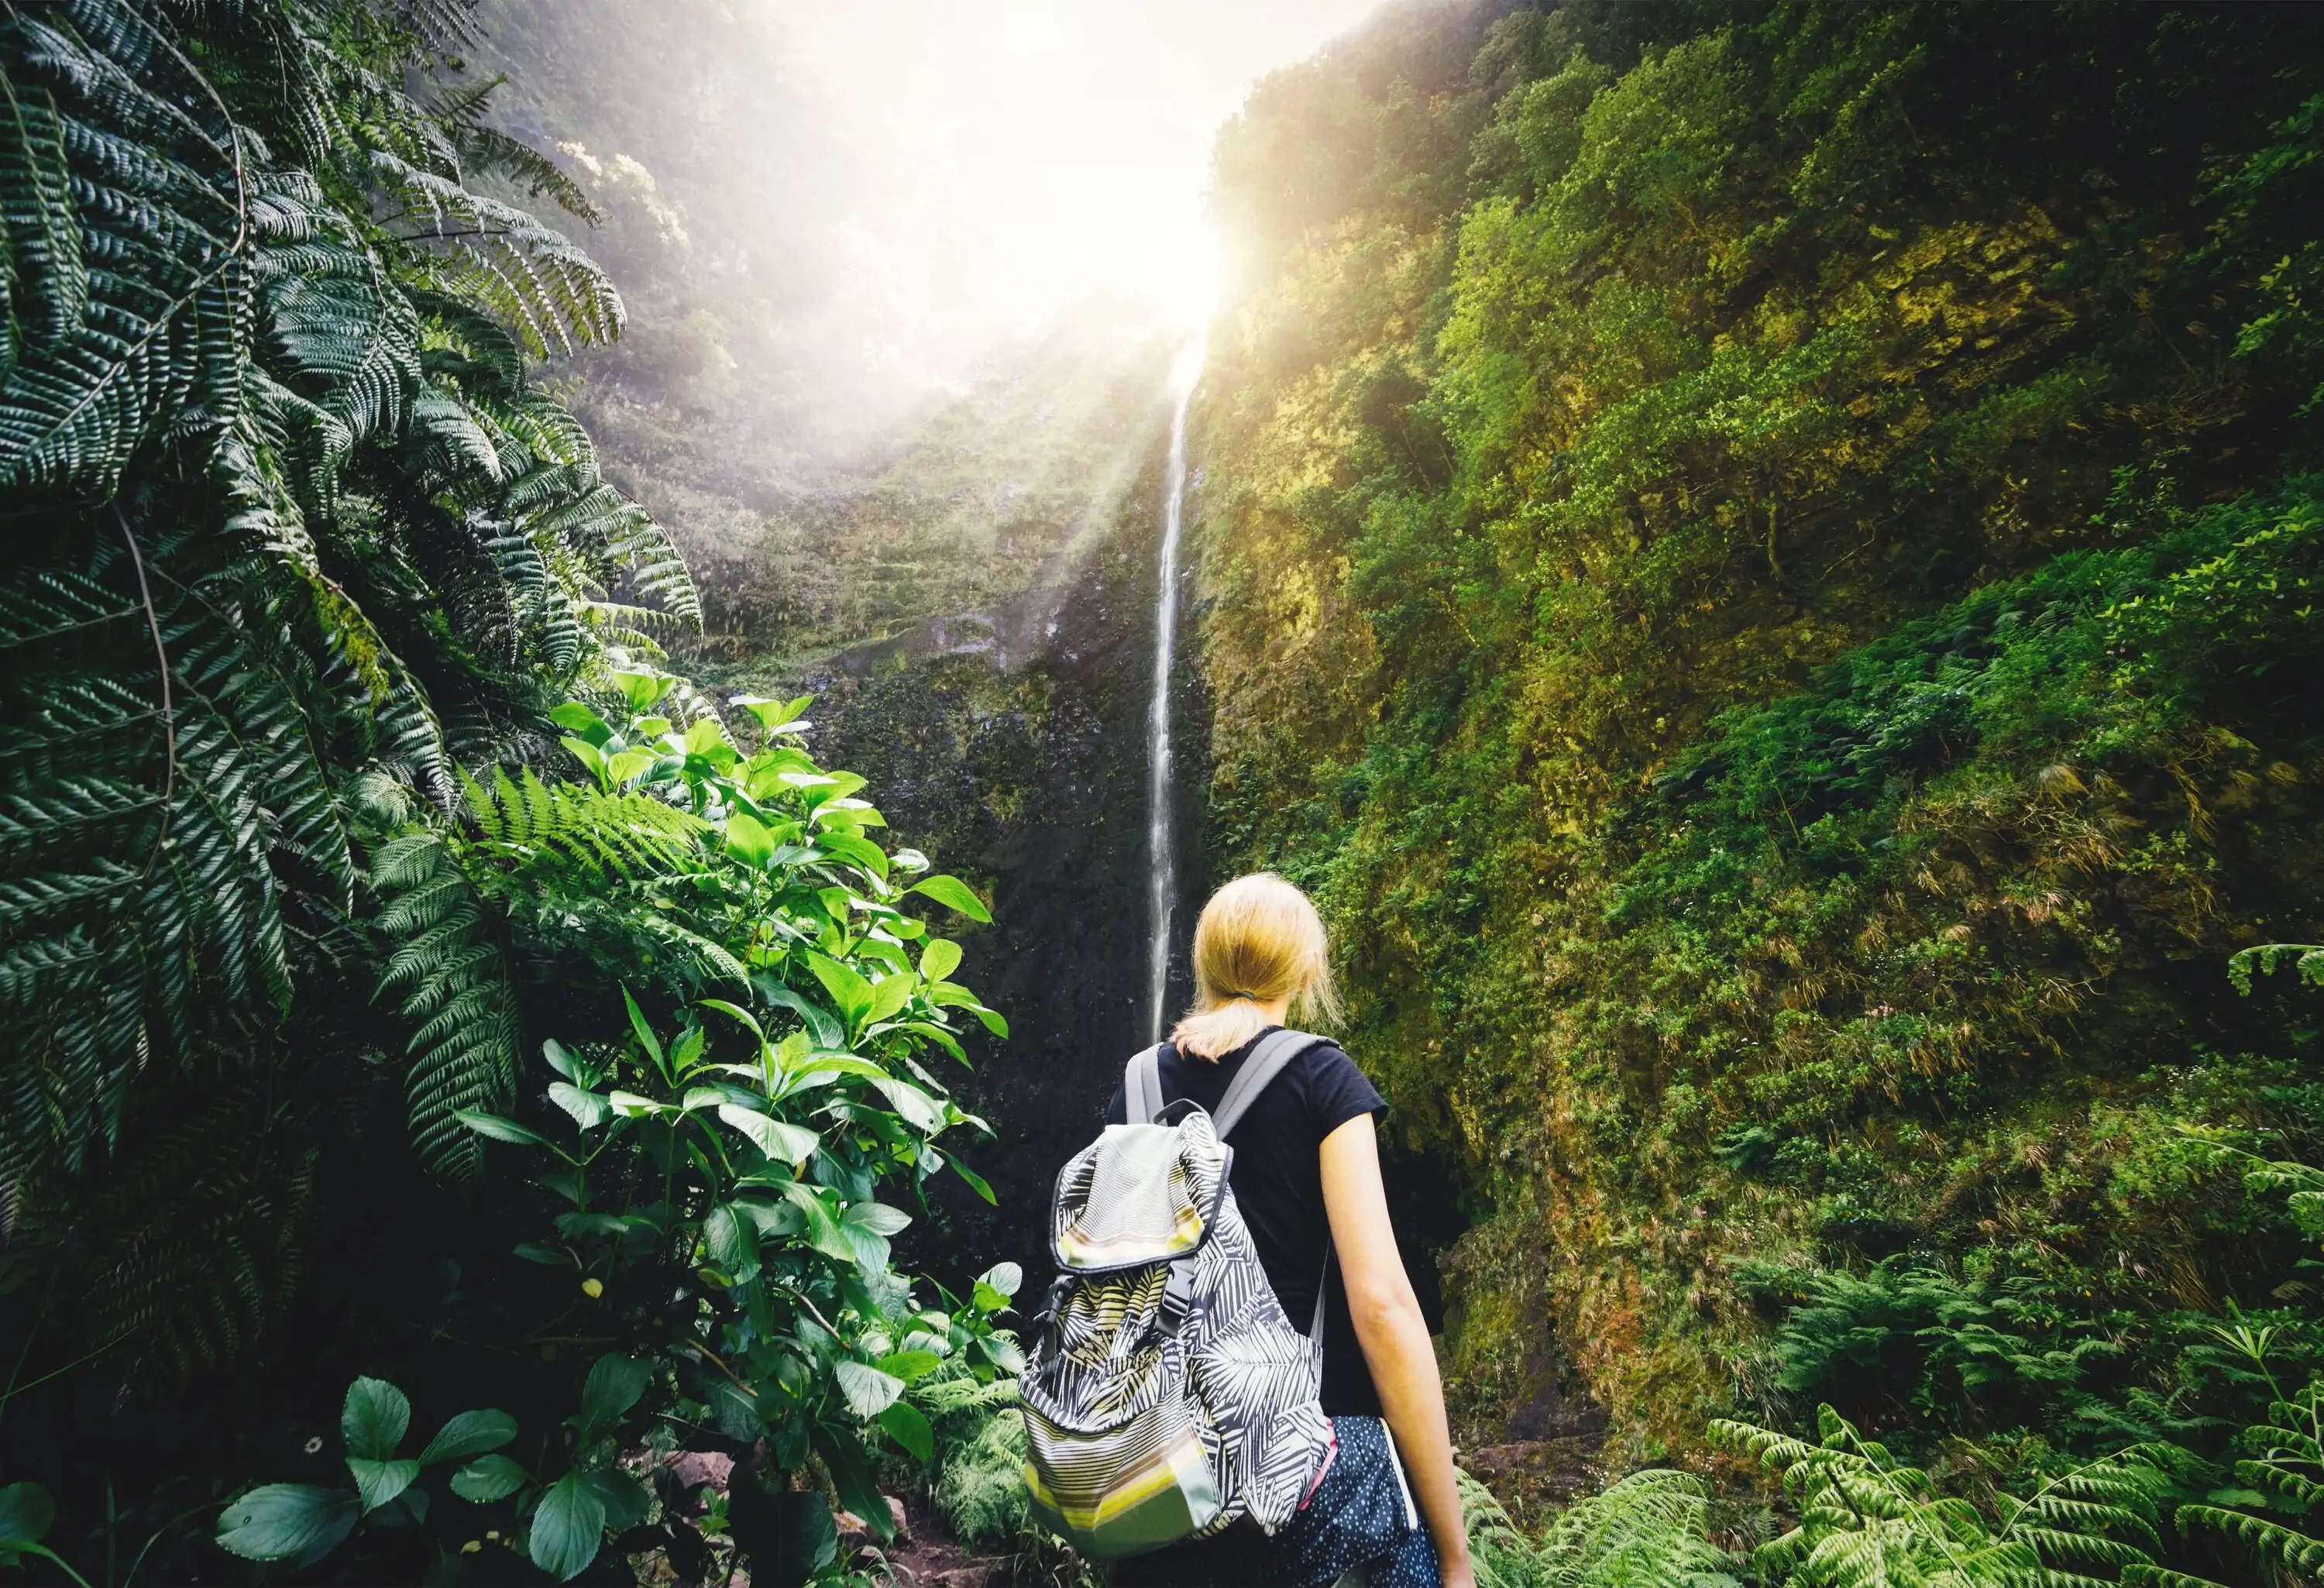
1337,1088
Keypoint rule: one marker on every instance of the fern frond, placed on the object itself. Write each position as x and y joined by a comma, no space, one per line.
123,257
322,433
533,277
2154,1576
624,836
198,1239
2270,1540
446,23
489,152
464,1047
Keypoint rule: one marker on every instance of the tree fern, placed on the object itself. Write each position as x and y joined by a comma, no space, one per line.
125,324
2283,1464
194,1243
531,275
291,516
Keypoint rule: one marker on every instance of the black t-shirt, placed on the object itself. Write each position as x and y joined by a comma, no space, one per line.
1277,1177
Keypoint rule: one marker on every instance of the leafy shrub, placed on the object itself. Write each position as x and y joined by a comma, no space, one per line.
716,1187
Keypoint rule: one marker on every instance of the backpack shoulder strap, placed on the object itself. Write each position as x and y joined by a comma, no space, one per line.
1265,1062
1141,1088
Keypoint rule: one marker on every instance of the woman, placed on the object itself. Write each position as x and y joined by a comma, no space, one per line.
1306,1172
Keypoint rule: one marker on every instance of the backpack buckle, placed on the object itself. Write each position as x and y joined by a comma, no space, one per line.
1177,1297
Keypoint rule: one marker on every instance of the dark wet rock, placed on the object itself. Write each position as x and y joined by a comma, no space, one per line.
1534,1477
1012,749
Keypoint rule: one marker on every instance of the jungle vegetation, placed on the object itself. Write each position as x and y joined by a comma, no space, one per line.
408,979
1764,560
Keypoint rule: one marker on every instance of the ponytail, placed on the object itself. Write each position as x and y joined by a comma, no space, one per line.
1260,941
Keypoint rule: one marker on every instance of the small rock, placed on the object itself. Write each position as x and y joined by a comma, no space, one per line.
853,1529
690,1467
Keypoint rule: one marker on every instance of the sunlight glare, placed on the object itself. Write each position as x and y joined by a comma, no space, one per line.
1042,152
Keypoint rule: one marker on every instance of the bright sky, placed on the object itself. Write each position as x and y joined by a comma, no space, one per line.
1038,150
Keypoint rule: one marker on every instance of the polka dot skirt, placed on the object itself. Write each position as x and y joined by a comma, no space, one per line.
1359,1525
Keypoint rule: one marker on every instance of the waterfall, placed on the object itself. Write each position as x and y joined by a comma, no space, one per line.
1162,897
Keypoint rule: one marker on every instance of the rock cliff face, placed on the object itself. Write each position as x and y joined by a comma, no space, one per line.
1011,747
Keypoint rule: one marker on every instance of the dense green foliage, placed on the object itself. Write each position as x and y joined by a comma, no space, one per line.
289,507
336,756
717,1213
1766,562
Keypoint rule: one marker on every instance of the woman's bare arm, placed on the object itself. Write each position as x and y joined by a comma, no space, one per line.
1394,1336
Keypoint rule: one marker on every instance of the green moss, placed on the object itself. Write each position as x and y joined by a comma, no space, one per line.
1788,692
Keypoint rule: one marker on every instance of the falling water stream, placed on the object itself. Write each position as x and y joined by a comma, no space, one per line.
1163,884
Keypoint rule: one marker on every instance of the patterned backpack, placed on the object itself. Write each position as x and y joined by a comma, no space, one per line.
1166,1394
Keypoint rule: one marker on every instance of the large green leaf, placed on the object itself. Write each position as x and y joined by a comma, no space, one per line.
907,1425
616,1383
889,996
787,1537
776,713
953,894
489,1478
379,1482
826,1031
625,1500
568,1527
284,1521
26,1514
867,1389
922,1110
1001,1351
499,1129
849,846
588,1109
846,1457
822,1231
781,1142
471,1433
748,840
939,959
643,689
373,1419
850,990
976,1182
730,1237
878,1217
910,1365
638,1023
868,1225
577,718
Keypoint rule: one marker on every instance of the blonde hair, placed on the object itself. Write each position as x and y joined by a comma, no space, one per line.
1259,939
